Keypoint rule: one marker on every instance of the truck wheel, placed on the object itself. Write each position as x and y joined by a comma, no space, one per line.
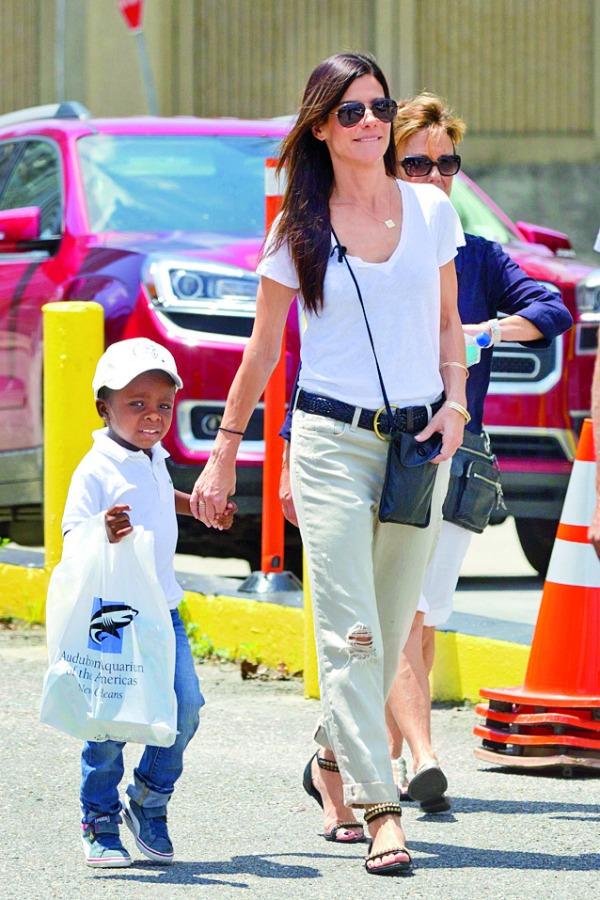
537,539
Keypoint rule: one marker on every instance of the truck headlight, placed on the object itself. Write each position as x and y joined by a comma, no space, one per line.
202,287
587,295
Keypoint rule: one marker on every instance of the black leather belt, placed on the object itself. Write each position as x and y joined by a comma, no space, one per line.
411,419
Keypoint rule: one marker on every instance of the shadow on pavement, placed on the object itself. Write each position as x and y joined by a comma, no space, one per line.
462,805
455,856
199,873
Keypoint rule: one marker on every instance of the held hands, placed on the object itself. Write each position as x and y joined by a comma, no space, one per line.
116,523
209,501
451,425
225,520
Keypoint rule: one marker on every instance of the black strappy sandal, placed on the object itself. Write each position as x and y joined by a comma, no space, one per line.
397,868
309,786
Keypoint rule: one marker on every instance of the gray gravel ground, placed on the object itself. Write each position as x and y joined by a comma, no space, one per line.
243,827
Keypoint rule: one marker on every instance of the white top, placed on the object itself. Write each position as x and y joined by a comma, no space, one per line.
110,474
402,301
597,244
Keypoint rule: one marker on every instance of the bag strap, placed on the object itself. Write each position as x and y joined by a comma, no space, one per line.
342,256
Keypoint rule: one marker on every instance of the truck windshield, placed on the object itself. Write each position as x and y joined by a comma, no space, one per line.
162,183
477,217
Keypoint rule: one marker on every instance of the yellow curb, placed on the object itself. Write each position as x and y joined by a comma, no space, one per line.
269,632
275,634
465,663
23,592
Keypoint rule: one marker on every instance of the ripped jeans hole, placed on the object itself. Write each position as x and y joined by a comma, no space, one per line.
359,641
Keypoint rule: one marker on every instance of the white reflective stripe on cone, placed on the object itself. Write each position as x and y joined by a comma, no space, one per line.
580,501
574,564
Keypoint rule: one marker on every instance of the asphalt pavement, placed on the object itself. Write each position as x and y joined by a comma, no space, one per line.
243,827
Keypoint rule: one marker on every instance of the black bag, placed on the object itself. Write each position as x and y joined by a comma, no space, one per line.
475,491
409,480
409,476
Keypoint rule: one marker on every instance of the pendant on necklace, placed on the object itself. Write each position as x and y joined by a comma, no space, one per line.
389,223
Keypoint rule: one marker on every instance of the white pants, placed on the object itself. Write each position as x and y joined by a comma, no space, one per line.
441,575
365,579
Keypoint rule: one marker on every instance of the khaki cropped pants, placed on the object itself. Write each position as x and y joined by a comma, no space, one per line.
365,580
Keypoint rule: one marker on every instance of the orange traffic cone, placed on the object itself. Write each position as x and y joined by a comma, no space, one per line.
554,718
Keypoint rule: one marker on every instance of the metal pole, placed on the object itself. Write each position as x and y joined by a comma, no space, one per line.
147,76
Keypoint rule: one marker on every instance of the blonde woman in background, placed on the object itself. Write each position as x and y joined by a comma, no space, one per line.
489,283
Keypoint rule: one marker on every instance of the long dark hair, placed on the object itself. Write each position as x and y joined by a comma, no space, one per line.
305,222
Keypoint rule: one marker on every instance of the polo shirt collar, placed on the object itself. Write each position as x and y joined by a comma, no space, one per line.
108,447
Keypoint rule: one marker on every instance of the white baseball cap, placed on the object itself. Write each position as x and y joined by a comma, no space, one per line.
125,360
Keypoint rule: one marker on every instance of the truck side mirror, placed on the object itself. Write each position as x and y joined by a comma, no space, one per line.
19,226
556,241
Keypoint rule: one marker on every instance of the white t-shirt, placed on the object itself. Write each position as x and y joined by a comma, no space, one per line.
597,244
402,301
110,474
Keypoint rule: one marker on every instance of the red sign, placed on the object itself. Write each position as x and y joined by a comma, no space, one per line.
132,11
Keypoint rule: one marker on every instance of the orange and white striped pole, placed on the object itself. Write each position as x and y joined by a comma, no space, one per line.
273,524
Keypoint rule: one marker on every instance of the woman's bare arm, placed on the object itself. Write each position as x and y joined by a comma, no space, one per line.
447,420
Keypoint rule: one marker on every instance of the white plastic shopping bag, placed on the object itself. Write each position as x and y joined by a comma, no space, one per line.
111,644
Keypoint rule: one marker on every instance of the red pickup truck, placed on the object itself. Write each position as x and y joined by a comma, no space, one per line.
161,220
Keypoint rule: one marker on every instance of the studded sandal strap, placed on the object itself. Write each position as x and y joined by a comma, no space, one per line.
329,764
382,809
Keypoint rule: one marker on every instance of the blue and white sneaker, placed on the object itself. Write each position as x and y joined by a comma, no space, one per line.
148,825
102,845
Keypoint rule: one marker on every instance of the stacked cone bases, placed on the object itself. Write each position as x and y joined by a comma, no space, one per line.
553,719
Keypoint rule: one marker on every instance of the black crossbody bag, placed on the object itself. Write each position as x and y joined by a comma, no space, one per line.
409,476
475,491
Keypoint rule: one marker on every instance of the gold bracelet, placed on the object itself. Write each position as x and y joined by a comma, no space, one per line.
460,409
457,365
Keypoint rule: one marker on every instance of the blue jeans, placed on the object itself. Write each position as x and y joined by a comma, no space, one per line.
159,767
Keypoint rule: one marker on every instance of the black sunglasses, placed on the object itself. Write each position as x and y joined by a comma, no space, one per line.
353,111
419,166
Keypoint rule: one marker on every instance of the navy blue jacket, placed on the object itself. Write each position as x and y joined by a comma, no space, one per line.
490,282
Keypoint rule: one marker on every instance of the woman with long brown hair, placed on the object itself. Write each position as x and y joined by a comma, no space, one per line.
350,231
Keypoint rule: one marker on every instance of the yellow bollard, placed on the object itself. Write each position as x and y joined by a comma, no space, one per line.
311,666
73,343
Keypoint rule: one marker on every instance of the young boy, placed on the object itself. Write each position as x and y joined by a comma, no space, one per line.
125,475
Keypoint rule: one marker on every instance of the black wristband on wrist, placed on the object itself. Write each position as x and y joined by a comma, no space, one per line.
230,430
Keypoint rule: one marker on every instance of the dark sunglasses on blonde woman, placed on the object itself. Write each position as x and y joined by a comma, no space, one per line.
419,166
353,111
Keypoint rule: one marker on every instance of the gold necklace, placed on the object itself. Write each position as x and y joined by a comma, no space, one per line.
389,222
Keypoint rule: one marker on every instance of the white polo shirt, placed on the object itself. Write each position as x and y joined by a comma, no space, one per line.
402,301
110,474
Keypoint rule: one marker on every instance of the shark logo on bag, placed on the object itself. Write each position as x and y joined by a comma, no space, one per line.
107,623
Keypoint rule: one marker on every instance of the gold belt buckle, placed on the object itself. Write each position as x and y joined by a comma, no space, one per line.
376,417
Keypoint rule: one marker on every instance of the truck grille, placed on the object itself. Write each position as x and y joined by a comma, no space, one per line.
525,370
521,446
227,325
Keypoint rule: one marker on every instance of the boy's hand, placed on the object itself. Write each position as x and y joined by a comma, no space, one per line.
225,520
117,524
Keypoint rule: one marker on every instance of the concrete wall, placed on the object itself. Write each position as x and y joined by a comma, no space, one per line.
525,74
557,195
